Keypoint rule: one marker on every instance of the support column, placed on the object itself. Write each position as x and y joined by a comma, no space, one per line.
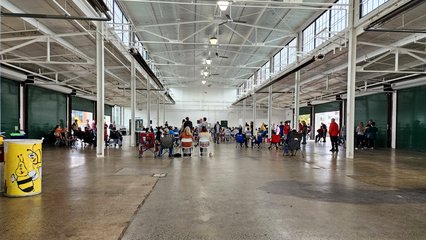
164,111
254,112
393,127
133,102
148,104
100,105
244,114
296,100
270,112
350,107
158,111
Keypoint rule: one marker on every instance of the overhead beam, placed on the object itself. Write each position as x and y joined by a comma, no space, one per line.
200,65
250,4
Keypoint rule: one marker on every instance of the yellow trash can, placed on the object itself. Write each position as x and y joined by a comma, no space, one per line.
22,169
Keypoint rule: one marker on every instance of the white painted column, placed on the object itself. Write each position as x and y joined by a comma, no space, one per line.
254,112
100,89
350,107
21,108
244,114
164,111
296,100
158,111
132,102
394,111
148,104
270,112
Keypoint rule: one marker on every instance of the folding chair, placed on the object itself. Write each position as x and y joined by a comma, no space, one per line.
186,147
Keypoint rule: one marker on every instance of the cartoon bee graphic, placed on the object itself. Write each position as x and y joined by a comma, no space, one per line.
24,178
35,156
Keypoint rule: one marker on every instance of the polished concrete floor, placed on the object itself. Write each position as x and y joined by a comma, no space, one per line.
236,194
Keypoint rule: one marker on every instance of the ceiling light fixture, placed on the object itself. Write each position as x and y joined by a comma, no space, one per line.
208,61
203,82
213,40
223,5
205,73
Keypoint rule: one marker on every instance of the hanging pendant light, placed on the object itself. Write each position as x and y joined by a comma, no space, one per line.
213,40
223,5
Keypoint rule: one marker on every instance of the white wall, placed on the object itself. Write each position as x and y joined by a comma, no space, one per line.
213,103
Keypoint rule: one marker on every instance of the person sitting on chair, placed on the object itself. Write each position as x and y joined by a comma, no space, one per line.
186,139
116,137
166,143
204,139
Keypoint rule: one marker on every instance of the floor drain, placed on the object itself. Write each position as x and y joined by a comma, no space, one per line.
160,175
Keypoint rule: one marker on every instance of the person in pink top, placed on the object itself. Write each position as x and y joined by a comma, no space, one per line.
333,131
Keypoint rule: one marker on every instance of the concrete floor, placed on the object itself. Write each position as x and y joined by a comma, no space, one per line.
236,194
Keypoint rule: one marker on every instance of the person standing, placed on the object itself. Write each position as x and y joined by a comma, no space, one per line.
324,131
188,123
333,131
304,131
217,128
360,131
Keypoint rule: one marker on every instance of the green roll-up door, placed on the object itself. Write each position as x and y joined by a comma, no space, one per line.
411,119
327,107
108,110
304,110
374,107
46,109
9,105
81,104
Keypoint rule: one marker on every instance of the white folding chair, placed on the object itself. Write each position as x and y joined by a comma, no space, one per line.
204,147
186,146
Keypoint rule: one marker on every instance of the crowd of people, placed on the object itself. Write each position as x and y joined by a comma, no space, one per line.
170,137
86,134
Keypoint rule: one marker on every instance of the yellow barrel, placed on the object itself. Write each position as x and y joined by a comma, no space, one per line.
22,169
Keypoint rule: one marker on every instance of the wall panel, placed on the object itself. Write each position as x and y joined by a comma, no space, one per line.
9,105
411,119
46,109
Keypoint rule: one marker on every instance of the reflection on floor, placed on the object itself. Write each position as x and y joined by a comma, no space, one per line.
236,194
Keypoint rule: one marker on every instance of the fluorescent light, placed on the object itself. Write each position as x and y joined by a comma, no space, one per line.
213,40
223,5
208,61
203,81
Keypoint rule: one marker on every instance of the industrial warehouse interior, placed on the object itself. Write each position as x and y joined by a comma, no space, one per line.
197,119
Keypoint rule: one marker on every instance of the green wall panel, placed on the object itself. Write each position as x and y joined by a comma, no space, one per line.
374,107
81,104
304,110
46,109
327,107
411,119
108,110
9,105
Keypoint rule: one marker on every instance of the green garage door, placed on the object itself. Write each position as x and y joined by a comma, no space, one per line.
411,119
304,110
81,104
108,110
374,107
9,105
327,107
46,109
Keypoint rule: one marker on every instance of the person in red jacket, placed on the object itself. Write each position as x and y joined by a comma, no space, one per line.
333,131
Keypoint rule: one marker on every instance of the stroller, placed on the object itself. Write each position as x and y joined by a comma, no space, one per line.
146,143
292,143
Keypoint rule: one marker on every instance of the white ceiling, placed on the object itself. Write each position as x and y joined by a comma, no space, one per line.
176,34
